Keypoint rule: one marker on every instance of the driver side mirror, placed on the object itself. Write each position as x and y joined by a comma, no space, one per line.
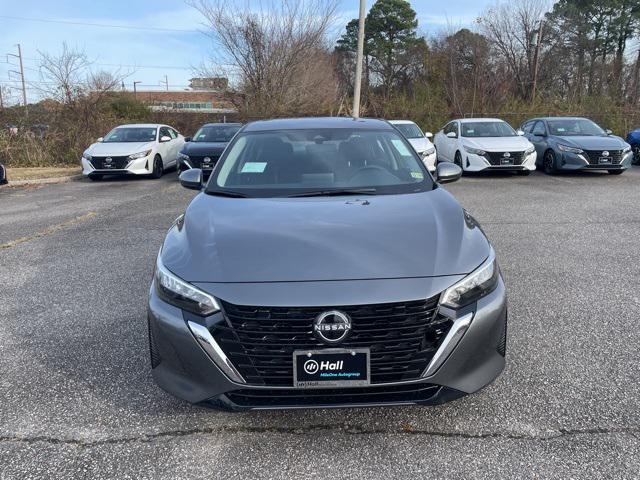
191,179
165,138
447,172
608,131
428,135
100,139
452,135
520,133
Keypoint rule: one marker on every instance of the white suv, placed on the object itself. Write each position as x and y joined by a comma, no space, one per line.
477,144
138,149
419,141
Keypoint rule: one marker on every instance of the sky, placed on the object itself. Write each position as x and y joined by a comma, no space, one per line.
162,37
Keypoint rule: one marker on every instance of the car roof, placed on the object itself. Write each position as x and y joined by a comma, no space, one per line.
223,124
142,125
560,118
478,119
317,122
401,122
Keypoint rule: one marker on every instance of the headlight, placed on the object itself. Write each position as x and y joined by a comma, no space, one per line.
181,294
429,151
140,155
626,150
529,151
474,286
182,156
475,151
566,148
86,156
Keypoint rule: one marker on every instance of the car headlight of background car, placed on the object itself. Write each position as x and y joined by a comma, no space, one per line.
477,284
429,151
86,156
475,151
182,156
567,148
181,294
626,150
135,156
529,151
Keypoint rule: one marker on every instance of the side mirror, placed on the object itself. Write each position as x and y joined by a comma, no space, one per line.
608,132
187,139
191,179
520,133
428,135
100,139
447,172
165,138
452,135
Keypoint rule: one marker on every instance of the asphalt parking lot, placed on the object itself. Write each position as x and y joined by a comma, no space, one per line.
77,399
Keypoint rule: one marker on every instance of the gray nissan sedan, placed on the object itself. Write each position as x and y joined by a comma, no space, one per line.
322,266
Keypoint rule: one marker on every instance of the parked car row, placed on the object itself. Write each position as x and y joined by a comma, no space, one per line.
474,144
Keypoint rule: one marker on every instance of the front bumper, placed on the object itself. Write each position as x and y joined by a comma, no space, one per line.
183,367
140,166
573,161
477,163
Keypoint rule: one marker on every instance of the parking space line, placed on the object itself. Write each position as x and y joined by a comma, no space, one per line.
48,231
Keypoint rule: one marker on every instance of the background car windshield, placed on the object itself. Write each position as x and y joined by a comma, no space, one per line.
131,134
216,133
280,163
409,130
572,127
487,129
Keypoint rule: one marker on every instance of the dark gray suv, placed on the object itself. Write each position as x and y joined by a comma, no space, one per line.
322,265
574,143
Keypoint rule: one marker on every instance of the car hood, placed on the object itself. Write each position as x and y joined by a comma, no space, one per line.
588,142
118,149
498,144
323,238
204,148
420,144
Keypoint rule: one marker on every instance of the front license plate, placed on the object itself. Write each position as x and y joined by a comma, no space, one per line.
506,161
335,367
605,160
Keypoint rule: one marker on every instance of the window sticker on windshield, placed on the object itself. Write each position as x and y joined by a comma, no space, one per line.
254,167
402,149
417,175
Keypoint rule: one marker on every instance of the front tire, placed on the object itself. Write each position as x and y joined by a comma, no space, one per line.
549,163
636,154
458,160
158,167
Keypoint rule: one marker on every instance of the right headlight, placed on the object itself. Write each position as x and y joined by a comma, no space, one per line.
475,151
567,148
175,291
529,151
429,151
477,284
86,156
182,156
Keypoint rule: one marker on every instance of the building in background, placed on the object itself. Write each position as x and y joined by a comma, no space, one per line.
209,83
201,101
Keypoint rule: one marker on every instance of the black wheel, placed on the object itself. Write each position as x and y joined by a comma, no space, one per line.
458,160
636,154
96,177
615,172
549,162
523,173
158,168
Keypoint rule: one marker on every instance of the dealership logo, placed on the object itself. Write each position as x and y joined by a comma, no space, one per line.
605,153
311,367
108,160
507,155
206,160
332,326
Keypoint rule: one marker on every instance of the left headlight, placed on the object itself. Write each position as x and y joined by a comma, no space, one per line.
477,284
181,294
429,151
135,156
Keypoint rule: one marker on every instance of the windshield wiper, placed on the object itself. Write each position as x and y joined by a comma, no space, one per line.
331,193
227,193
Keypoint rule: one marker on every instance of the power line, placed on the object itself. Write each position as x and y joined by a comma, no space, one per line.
101,25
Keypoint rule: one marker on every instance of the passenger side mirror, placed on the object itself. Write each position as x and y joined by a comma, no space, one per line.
428,135
520,133
187,139
100,139
165,138
191,179
448,172
608,132
452,135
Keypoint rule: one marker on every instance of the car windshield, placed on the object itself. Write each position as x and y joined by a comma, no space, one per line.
574,127
487,129
319,162
409,130
131,134
216,133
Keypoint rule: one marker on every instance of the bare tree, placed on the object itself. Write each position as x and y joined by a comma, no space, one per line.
278,52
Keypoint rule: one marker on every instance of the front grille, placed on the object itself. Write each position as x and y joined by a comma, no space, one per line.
594,156
402,338
117,163
495,158
264,398
197,162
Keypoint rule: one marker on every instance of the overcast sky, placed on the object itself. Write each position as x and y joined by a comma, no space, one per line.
162,37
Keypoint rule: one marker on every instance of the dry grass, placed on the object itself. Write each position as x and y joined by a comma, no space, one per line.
21,173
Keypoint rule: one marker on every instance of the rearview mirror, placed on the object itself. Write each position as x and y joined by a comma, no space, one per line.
452,135
520,133
191,179
447,172
100,139
165,138
428,135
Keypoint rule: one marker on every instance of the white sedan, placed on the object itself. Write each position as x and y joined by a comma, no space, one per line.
477,144
138,149
419,141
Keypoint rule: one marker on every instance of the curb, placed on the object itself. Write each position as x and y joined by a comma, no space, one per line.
44,181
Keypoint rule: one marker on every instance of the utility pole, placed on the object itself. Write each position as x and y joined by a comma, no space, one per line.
537,40
1,101
21,73
166,82
135,92
359,55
